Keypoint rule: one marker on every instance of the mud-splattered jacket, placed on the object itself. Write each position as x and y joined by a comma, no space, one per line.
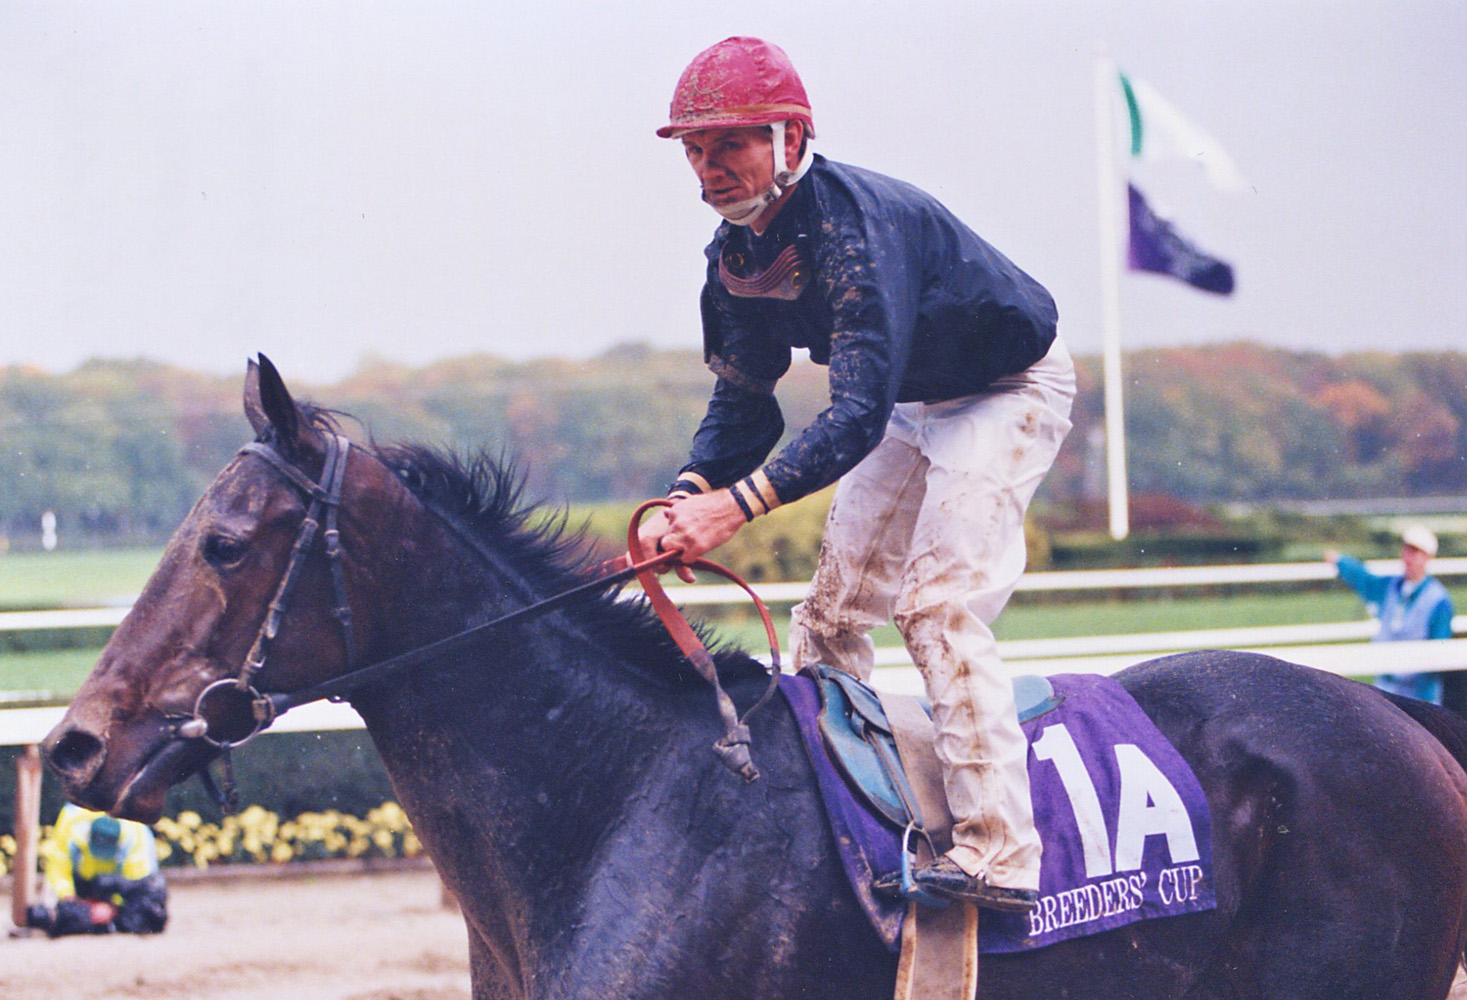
880,282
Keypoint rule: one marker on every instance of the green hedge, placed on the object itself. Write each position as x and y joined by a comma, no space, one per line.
42,640
1096,550
286,773
781,547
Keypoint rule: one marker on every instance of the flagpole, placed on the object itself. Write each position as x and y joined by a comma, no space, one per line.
1110,298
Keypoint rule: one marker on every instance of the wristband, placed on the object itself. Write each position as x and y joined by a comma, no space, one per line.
748,488
757,492
687,484
743,504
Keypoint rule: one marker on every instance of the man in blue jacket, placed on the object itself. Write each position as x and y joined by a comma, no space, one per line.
1410,606
950,395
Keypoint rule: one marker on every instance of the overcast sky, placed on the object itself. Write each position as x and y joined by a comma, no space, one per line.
329,181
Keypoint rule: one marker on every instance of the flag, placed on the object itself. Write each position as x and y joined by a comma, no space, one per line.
1157,247
1159,131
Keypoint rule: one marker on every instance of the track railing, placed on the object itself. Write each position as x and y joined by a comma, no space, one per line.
1340,647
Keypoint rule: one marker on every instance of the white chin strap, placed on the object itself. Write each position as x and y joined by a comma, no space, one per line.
744,213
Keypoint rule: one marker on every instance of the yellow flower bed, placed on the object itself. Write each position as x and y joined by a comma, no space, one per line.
257,836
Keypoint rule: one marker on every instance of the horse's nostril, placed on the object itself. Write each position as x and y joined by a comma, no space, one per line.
74,751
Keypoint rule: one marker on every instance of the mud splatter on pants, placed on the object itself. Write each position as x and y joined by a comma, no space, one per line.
929,531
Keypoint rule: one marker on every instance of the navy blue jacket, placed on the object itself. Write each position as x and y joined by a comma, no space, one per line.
880,282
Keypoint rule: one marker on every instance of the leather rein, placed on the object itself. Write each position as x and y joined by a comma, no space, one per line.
323,504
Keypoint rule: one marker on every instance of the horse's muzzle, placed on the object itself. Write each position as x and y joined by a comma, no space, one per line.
126,776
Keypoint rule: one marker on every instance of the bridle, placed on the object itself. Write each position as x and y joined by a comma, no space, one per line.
325,496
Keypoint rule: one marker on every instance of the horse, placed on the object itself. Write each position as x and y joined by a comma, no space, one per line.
558,769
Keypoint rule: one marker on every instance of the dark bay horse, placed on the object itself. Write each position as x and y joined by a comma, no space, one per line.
559,771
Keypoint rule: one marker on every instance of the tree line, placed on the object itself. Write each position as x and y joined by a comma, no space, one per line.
119,450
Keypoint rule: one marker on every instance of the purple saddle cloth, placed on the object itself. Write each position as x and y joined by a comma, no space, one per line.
1123,821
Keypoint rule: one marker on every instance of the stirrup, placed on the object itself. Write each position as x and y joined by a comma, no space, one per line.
911,890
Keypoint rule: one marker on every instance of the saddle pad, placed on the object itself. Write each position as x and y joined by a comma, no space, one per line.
1124,823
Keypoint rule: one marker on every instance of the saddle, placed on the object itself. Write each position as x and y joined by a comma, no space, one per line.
858,735
882,745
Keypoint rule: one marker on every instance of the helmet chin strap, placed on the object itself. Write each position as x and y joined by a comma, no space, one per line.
744,213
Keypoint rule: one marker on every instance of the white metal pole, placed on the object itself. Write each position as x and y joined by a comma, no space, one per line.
1111,223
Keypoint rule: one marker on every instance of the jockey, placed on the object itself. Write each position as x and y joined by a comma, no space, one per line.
103,873
950,396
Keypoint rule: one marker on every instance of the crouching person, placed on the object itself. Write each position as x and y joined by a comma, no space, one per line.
103,875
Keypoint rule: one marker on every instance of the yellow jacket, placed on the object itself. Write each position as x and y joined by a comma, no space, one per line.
68,859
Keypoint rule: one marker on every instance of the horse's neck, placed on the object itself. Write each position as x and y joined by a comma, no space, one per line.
504,729
513,754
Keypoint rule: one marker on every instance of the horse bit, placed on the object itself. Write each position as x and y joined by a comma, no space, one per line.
732,748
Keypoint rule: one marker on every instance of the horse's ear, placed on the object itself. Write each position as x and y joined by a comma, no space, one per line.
254,409
268,404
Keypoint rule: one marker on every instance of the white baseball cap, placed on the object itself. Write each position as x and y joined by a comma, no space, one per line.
1419,537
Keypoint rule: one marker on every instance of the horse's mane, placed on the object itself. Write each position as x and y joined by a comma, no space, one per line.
487,497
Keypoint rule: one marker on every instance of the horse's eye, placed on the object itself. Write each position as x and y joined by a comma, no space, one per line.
221,550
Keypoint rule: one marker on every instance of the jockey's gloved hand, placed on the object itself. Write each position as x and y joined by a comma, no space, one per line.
73,916
39,916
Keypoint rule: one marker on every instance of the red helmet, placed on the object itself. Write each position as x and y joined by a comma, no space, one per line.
738,82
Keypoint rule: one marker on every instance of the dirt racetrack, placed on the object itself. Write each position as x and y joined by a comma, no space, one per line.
380,936
322,937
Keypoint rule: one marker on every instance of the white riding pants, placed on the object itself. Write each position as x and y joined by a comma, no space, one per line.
928,530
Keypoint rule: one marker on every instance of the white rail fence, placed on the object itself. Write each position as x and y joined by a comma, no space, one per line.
1339,647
